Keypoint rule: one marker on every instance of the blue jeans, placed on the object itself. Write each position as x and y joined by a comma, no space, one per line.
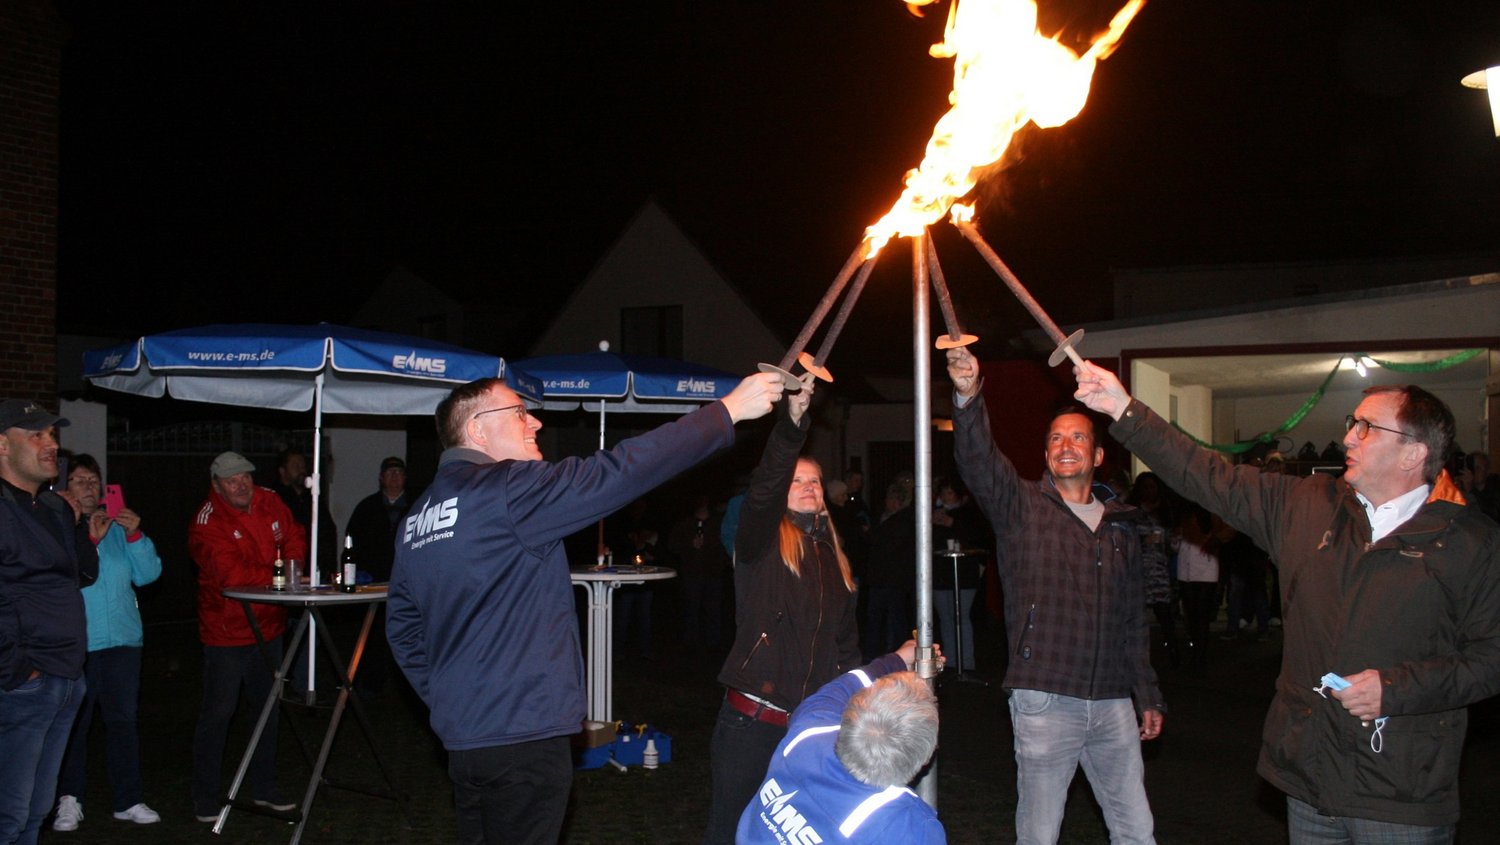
233,674
1306,826
114,676
34,722
1054,735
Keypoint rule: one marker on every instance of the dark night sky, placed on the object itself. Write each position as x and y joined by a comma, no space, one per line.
273,161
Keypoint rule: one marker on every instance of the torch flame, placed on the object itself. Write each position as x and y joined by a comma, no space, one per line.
1005,74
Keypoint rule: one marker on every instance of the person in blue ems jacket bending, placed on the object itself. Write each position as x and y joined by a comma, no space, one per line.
841,773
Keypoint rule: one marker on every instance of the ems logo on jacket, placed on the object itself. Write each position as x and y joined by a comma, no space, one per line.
782,818
427,524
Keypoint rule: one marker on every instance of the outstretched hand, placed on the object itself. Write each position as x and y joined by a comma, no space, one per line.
1100,390
963,370
753,397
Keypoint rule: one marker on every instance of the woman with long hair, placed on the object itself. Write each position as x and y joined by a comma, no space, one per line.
795,612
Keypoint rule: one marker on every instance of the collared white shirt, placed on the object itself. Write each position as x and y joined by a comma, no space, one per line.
1391,515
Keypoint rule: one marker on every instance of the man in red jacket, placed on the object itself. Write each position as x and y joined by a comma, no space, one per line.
236,536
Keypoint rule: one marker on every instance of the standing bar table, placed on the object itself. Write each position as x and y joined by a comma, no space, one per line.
600,582
314,599
957,555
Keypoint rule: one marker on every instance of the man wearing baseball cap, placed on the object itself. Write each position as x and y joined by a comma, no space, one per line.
235,538
46,557
373,523
372,527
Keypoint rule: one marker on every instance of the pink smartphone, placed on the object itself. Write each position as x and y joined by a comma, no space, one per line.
114,500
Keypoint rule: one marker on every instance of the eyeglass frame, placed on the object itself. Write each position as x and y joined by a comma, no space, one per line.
520,409
1352,422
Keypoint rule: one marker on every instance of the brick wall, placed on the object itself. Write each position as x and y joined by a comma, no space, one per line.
31,37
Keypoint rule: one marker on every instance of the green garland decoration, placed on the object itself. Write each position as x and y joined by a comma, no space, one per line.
1432,366
1243,446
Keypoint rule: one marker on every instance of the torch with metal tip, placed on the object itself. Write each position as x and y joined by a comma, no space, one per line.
814,364
1065,343
792,383
955,336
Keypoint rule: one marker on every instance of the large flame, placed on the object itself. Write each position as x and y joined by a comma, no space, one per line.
1005,75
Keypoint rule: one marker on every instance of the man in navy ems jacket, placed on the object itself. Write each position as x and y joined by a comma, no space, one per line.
480,616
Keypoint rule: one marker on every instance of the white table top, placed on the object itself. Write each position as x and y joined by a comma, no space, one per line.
960,552
306,596
621,574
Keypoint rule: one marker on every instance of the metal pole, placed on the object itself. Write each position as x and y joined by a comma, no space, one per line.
316,480
922,501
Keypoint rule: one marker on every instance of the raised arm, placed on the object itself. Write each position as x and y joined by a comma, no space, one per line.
990,476
765,499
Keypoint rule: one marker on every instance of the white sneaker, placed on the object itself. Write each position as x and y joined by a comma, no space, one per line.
69,814
140,814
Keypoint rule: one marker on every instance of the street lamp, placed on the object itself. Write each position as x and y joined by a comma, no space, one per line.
1481,79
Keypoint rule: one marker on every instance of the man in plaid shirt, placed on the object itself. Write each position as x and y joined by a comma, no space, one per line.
1070,564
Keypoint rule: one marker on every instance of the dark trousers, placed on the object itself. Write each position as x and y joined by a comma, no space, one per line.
232,675
633,620
1247,595
512,793
1306,826
114,676
739,754
887,619
1200,604
702,610
1166,617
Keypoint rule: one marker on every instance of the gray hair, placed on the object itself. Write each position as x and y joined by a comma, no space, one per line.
889,730
837,492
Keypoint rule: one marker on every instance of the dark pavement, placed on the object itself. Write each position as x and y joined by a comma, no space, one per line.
1200,775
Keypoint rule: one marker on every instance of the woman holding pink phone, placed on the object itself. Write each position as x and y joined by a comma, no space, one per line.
127,559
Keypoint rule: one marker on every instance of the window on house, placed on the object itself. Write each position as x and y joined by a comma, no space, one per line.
433,327
652,330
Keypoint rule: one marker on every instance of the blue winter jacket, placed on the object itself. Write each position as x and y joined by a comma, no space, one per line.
41,613
808,796
480,614
124,564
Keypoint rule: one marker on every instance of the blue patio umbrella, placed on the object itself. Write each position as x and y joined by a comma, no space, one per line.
323,367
